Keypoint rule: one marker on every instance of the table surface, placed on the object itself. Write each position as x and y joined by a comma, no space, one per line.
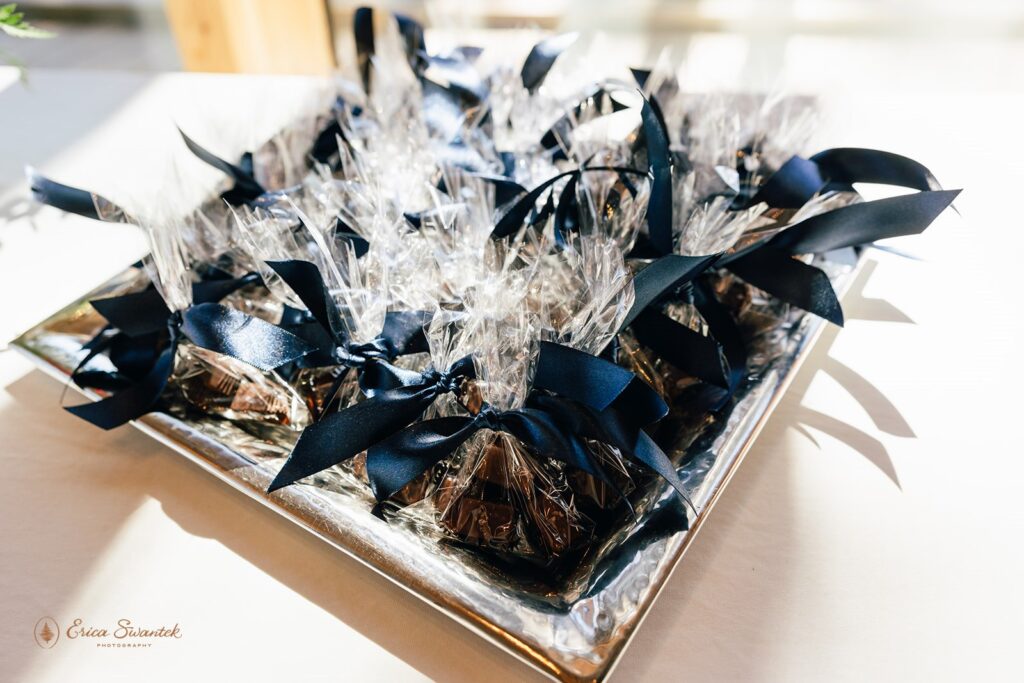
873,532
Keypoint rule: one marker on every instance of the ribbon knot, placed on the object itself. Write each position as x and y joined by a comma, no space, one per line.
359,355
396,398
448,382
684,292
174,322
488,418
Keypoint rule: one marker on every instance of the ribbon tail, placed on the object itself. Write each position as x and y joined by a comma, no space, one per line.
792,186
662,276
725,331
659,160
362,27
342,435
505,189
579,376
360,245
81,378
648,453
399,459
308,284
790,280
134,356
515,216
246,187
690,351
72,199
134,314
212,291
542,57
860,165
865,222
404,331
131,403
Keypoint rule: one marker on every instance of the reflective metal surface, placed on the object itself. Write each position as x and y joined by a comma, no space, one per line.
573,633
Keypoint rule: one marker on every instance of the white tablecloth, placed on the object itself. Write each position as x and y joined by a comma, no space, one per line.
873,533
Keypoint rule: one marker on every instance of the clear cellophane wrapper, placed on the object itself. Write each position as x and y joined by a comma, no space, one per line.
492,300
494,494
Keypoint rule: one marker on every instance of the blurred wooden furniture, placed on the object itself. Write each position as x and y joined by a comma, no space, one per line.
252,36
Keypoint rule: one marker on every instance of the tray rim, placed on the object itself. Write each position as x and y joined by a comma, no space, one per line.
159,425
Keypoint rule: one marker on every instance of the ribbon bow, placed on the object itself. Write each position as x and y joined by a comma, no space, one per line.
600,401
144,316
396,398
769,265
402,332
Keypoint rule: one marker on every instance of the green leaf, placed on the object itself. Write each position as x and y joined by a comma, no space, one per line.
25,30
13,23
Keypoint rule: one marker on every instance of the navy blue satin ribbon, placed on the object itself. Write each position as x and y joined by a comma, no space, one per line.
456,69
396,398
792,186
362,29
725,333
598,383
144,336
577,397
505,189
246,189
659,164
306,281
548,426
70,199
597,98
864,222
542,57
790,280
462,81
325,145
137,399
566,210
663,276
640,75
625,404
131,340
413,42
342,231
699,355
696,354
515,216
859,165
799,179
402,332
770,265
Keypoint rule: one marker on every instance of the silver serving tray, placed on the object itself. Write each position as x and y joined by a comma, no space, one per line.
575,634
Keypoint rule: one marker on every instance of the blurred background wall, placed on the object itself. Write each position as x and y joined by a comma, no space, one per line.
812,44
